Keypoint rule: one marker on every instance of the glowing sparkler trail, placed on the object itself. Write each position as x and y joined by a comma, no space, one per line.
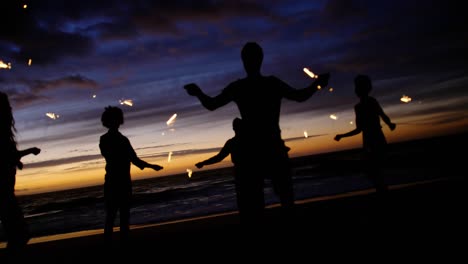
305,134
171,120
405,99
29,62
169,156
311,74
333,116
189,172
52,115
128,102
5,65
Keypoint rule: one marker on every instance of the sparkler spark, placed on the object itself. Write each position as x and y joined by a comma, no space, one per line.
29,62
171,120
128,102
52,115
405,99
189,172
305,134
169,156
4,65
311,74
333,116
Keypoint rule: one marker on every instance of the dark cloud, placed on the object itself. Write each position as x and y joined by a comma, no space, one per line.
56,162
24,99
25,91
406,38
46,47
337,10
28,36
73,81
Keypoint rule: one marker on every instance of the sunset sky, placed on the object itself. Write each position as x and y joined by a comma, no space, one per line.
86,55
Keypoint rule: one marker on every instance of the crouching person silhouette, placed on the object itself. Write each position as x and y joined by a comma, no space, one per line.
247,188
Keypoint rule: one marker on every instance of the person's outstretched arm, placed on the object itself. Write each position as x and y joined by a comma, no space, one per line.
210,103
222,154
141,164
301,95
348,134
25,152
355,131
386,119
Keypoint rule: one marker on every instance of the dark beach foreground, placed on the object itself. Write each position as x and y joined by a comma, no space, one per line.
422,219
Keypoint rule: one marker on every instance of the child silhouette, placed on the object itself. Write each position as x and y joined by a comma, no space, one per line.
368,114
119,155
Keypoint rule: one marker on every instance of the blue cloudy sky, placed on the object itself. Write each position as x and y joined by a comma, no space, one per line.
86,55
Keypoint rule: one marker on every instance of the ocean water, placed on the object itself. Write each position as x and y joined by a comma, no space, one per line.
176,197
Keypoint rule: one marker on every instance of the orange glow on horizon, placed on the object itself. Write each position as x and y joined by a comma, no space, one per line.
33,180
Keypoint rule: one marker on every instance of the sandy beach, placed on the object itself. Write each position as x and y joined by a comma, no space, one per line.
423,218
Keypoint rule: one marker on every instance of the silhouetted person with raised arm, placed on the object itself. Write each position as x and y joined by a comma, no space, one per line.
119,155
247,210
368,113
11,215
258,99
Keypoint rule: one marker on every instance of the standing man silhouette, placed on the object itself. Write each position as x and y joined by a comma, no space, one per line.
258,99
368,114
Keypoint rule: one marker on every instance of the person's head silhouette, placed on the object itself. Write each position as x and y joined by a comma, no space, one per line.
252,57
112,117
362,85
237,125
7,122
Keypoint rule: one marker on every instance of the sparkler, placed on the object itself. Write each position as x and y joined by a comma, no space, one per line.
171,120
51,115
311,74
4,65
128,102
405,99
